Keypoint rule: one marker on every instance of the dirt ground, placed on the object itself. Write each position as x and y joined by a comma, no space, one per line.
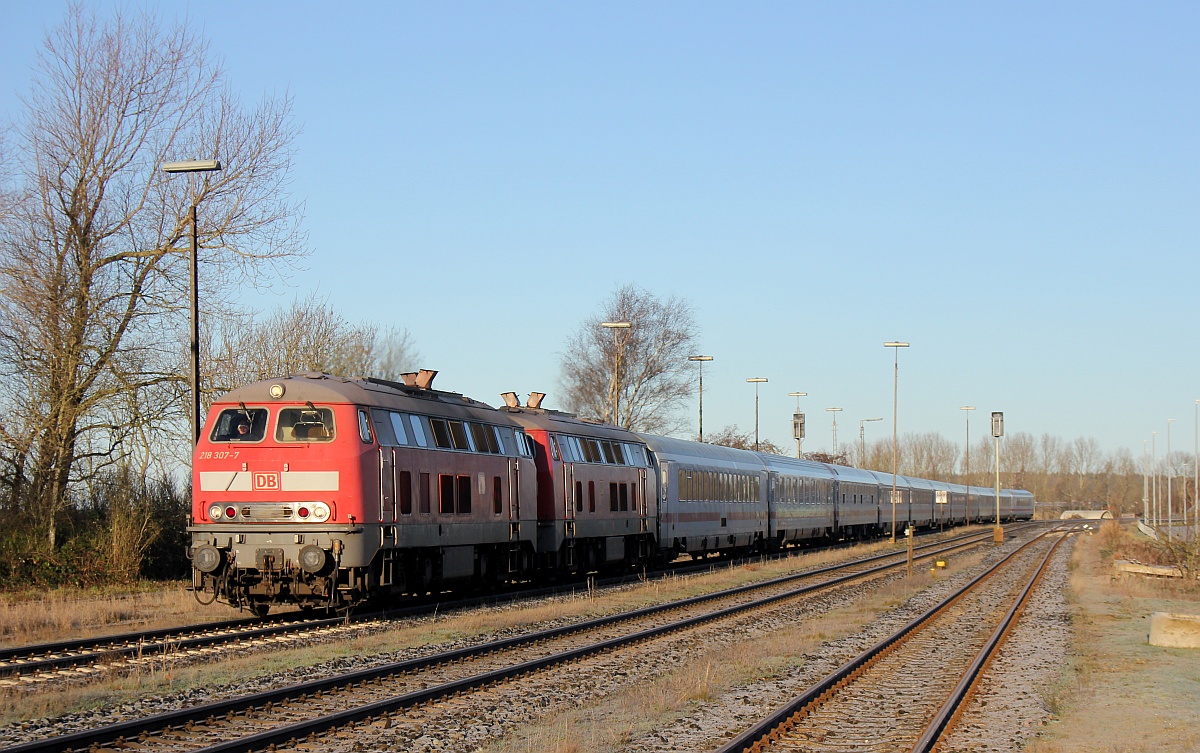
1119,694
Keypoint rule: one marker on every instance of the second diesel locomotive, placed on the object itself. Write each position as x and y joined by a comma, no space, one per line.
324,491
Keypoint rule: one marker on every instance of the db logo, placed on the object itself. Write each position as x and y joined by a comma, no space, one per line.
266,482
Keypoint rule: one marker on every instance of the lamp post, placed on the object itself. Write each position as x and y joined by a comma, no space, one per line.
616,327
997,432
1154,477
798,424
895,394
862,440
1195,481
834,411
194,166
700,360
756,381
967,470
1146,481
1170,473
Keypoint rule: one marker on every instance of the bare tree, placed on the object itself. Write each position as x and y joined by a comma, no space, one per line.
308,336
91,275
732,436
642,371
929,455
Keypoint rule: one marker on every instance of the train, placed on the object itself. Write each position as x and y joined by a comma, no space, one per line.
327,492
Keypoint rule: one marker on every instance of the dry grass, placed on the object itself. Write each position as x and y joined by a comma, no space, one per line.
1118,693
63,614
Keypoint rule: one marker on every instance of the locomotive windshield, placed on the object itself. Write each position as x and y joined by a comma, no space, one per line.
306,424
240,425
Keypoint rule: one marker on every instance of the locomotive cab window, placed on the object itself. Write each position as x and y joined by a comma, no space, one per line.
240,425
305,425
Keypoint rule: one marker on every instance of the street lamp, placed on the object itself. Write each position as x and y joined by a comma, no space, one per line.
616,327
194,166
1154,477
967,472
834,411
700,360
756,381
895,457
862,440
997,432
1170,473
798,423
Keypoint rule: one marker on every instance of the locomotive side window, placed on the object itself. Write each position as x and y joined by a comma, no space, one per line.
240,425
524,444
497,495
608,453
458,432
418,431
364,426
397,423
441,433
464,495
304,425
446,494
383,427
423,493
405,490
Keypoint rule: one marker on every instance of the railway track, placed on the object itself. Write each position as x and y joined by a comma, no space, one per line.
93,657
904,692
381,696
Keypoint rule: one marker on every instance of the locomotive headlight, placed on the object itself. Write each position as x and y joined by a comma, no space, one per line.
276,391
207,558
312,559
214,512
320,511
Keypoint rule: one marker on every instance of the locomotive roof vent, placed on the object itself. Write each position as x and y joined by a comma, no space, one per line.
425,378
422,379
535,400
510,399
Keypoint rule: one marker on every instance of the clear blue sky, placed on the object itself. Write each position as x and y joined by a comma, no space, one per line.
1013,187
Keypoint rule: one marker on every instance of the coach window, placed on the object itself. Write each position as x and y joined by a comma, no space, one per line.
383,427
304,425
240,425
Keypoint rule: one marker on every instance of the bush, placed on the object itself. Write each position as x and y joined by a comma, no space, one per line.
124,528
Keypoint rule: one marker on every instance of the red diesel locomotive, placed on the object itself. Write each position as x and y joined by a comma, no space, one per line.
323,492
